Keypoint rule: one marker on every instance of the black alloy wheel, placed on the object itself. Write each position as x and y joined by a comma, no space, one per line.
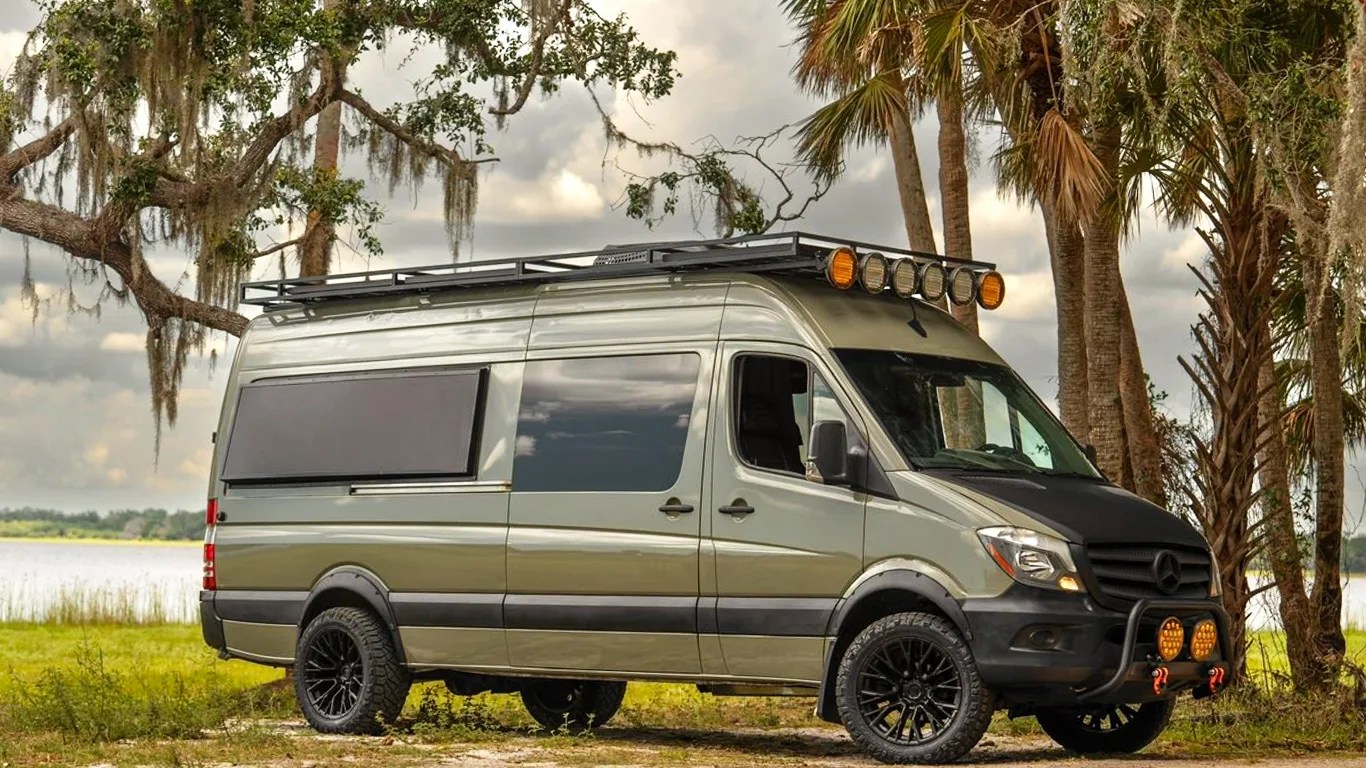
1106,729
573,705
908,691
334,673
347,675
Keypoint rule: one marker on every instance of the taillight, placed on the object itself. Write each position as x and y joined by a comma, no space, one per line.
211,513
210,573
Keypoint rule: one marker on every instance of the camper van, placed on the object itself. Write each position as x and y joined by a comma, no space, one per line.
770,465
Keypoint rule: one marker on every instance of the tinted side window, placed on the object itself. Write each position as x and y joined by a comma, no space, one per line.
604,424
355,426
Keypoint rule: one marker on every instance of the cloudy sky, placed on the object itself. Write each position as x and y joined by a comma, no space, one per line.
75,419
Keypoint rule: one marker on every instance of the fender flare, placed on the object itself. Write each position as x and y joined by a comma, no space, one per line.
363,584
901,579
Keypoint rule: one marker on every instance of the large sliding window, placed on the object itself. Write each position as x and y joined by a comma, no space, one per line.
384,425
604,423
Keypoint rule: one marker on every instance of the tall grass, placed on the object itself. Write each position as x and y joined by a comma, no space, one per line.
87,700
86,604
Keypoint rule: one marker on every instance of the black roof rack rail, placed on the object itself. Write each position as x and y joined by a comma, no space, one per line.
788,252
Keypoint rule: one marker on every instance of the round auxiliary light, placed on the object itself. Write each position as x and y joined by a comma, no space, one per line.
962,285
1171,638
840,268
872,272
933,281
903,278
991,290
1204,640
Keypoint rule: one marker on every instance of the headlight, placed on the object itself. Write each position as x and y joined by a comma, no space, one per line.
1033,558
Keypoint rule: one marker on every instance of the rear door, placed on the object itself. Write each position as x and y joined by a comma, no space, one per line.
604,522
784,548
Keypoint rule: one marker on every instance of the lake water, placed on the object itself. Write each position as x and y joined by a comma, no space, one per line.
37,577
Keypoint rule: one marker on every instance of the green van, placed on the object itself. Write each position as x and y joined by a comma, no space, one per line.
765,466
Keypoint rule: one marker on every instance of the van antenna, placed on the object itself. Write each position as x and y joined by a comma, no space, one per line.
914,322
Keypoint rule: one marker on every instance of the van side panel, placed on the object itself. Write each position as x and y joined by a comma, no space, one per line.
606,580
423,540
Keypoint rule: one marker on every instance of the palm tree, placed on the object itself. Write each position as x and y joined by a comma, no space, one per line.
852,52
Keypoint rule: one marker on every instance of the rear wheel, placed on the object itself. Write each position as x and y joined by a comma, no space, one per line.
1106,729
576,705
347,676
908,691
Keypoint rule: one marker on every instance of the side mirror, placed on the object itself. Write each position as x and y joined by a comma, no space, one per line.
1090,451
828,459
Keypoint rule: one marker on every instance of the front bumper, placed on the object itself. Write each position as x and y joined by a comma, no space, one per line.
1037,647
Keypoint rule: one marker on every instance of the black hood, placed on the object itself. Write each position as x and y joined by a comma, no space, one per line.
1085,511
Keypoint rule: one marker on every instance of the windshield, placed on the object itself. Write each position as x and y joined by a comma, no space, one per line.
958,414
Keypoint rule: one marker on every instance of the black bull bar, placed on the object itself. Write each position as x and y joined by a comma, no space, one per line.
1136,614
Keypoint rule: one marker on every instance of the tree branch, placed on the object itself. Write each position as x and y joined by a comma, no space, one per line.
533,71
21,157
81,239
393,127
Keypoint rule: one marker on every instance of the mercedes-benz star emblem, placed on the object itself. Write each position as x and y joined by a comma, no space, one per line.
1167,572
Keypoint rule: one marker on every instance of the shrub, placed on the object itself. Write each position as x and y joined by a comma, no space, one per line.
87,701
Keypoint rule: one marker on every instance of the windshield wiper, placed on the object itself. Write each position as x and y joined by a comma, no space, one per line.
1077,475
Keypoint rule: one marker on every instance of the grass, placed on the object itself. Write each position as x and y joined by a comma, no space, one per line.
156,695
84,605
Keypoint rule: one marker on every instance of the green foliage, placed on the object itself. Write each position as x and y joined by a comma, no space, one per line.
87,700
153,524
1354,556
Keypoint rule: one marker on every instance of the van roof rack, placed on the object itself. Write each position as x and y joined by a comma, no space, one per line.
788,253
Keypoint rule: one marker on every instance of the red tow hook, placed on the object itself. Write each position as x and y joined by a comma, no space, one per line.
1216,679
1160,677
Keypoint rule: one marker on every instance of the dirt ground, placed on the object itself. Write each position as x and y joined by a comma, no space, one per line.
648,748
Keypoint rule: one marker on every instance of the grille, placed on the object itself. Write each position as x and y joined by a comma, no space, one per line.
1126,573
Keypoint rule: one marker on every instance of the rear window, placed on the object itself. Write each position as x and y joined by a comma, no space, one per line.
605,423
378,425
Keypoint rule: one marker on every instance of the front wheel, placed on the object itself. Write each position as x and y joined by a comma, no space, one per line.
908,691
1106,729
576,705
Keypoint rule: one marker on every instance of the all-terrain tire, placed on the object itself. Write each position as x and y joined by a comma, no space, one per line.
573,705
951,697
347,675
1120,729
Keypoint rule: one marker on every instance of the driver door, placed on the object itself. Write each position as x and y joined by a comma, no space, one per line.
783,548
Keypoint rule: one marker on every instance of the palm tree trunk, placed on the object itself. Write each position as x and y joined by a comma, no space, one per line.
1325,360
315,252
1287,567
1140,428
953,187
1104,323
910,185
1067,254
954,199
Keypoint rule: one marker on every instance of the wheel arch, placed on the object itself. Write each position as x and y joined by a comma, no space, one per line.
353,587
899,590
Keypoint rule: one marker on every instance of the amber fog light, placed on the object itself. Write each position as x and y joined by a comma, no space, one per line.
1171,638
1204,640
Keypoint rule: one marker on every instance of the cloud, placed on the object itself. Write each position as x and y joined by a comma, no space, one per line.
70,384
124,342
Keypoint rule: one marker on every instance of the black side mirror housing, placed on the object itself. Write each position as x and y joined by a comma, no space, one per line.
828,458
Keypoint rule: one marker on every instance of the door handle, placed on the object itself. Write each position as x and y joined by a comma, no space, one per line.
737,507
675,507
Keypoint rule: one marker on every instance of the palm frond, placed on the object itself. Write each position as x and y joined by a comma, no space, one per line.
861,115
1066,171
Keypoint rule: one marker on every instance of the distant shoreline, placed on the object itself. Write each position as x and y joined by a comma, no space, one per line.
98,540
